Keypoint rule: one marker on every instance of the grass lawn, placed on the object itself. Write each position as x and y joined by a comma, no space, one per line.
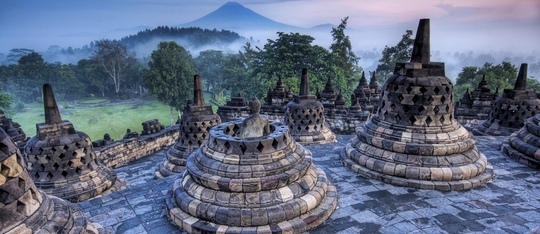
96,121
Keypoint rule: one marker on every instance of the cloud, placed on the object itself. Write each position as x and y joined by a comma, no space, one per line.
38,22
497,10
386,12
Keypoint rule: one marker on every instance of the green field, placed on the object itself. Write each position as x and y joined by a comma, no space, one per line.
96,121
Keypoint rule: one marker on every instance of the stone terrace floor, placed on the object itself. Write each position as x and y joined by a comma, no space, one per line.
509,204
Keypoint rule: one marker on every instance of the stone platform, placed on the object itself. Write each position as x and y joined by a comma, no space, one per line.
509,204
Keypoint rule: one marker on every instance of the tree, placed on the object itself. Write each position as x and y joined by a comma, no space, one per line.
341,50
92,76
209,64
63,79
5,103
115,59
501,75
286,56
239,76
401,52
169,75
32,72
135,77
9,82
344,67
15,54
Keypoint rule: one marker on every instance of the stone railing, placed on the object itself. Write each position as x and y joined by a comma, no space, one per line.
124,151
151,126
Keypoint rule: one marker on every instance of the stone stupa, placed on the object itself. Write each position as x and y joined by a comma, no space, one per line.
235,109
194,129
246,180
524,145
26,209
62,161
14,130
414,141
305,117
511,109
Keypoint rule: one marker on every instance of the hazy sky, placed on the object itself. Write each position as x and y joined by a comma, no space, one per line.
463,24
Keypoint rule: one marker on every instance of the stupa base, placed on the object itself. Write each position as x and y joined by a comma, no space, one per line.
390,177
55,215
302,223
87,186
520,157
323,137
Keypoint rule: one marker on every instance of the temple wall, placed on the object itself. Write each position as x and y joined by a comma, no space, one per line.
123,151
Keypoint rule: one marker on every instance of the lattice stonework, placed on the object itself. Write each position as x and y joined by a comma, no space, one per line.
194,132
415,140
255,185
511,109
524,145
305,117
14,130
68,169
62,161
195,127
25,209
418,102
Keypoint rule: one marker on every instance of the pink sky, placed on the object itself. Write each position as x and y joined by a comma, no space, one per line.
499,24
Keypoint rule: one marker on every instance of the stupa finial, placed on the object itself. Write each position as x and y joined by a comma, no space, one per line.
521,81
421,47
52,114
198,97
304,83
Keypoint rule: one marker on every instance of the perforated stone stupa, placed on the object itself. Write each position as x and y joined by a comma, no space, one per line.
195,127
367,95
62,161
275,101
25,209
415,140
305,116
14,130
475,107
235,109
265,184
511,109
524,145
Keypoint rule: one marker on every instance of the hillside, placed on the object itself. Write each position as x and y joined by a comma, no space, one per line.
192,37
144,42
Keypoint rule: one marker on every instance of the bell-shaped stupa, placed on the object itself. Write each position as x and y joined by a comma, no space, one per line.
62,161
524,145
26,209
251,177
511,109
14,130
414,141
305,117
235,109
195,127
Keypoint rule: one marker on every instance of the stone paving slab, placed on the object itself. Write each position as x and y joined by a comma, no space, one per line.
509,204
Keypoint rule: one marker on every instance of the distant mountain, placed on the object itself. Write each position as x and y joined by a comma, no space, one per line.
234,16
324,26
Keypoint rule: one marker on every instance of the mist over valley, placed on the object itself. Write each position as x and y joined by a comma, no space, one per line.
457,49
